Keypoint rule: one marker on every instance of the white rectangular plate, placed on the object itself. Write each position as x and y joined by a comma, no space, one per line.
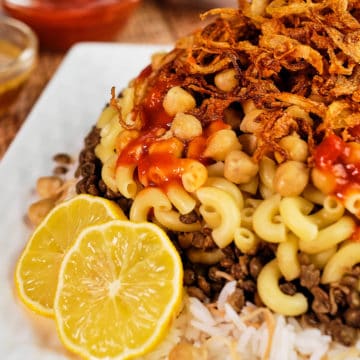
59,121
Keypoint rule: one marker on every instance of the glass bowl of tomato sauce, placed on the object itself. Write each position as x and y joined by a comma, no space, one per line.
61,23
18,57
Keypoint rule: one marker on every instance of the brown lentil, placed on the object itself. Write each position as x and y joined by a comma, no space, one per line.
62,158
60,170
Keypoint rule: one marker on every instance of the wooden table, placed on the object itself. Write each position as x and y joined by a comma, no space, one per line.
154,22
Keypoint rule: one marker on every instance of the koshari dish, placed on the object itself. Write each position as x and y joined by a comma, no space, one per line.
242,143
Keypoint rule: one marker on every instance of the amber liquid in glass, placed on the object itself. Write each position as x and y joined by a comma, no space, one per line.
10,83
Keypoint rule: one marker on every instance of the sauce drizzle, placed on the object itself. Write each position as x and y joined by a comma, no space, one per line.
341,161
161,160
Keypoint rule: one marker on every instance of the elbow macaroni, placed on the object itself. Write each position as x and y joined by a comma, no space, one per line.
265,223
147,199
287,258
124,180
344,259
329,236
272,296
331,211
227,186
108,173
181,199
293,211
170,219
246,240
226,207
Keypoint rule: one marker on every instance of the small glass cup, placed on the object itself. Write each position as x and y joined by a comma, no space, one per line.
18,56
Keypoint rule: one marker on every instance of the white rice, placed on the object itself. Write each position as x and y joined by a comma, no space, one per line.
226,335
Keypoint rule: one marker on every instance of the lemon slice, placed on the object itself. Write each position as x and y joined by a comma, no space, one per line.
119,287
36,274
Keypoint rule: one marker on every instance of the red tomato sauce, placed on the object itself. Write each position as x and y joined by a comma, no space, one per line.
356,235
340,160
162,166
152,113
355,131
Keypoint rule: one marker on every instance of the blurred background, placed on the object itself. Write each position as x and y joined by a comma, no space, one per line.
58,24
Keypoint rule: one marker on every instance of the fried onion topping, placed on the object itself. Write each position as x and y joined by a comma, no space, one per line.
287,54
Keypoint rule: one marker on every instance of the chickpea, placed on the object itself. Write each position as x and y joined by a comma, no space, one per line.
178,100
324,181
296,148
221,143
194,176
291,178
171,146
38,210
226,80
186,127
48,186
239,167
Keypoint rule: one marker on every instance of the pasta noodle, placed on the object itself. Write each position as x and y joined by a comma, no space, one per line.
313,195
273,297
332,211
329,236
321,259
211,217
245,240
170,219
125,183
247,217
287,258
267,171
293,211
147,199
352,203
108,172
341,261
181,199
264,222
229,187
106,116
228,210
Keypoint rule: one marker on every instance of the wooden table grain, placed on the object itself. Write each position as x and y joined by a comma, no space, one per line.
154,22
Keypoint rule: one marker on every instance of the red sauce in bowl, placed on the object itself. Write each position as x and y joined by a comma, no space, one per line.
60,24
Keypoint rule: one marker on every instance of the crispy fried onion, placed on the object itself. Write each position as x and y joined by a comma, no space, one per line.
298,61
